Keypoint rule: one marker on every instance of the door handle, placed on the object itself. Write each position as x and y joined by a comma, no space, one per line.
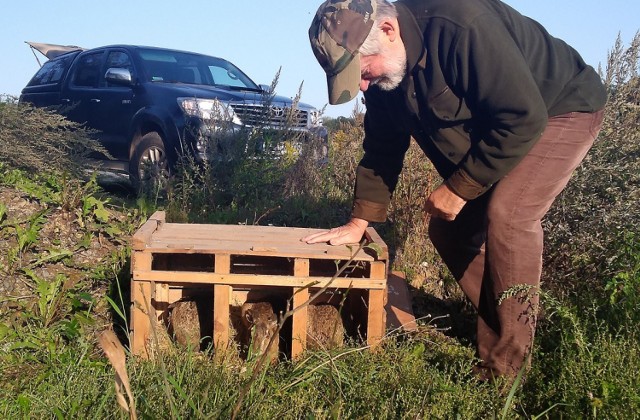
95,100
65,100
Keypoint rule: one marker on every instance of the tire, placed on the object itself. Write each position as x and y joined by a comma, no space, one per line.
149,167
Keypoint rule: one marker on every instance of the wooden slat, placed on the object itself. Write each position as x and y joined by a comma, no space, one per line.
268,249
376,315
240,248
142,237
222,264
221,300
216,233
160,216
140,325
243,280
175,294
378,270
161,300
300,316
398,306
376,320
140,304
372,236
256,240
248,231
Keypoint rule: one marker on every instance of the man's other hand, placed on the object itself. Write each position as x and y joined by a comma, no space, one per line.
444,203
350,233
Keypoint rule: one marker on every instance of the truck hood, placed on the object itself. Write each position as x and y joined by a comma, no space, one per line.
229,95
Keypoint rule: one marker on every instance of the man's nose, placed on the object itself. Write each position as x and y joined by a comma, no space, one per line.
364,84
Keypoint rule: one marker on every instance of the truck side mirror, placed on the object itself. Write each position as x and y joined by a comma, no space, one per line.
119,76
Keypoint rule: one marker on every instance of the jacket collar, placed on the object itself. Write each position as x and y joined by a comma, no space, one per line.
411,35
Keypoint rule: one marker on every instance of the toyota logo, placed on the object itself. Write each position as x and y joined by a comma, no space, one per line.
278,112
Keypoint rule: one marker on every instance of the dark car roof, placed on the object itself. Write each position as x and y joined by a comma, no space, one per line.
52,51
138,47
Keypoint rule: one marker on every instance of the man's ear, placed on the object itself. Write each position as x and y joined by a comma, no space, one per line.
390,29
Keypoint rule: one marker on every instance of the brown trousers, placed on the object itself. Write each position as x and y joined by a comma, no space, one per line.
496,241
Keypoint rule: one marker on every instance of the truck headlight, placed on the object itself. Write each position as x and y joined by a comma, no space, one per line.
208,110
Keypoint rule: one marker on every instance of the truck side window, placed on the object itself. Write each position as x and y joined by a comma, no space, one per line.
51,71
118,59
87,72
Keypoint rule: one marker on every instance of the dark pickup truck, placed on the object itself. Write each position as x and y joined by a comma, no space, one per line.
148,103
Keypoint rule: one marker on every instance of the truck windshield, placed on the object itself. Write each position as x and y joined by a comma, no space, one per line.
180,67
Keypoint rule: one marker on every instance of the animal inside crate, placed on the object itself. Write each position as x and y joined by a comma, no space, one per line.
237,263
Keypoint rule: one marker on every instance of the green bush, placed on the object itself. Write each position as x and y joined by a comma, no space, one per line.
40,140
588,225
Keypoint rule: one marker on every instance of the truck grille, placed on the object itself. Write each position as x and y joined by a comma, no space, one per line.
256,115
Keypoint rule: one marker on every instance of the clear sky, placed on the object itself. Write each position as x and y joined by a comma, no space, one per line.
258,36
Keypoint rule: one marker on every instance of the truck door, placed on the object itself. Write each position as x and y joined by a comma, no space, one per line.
114,108
77,95
104,107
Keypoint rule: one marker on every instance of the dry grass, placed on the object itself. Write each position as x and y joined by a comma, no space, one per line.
40,140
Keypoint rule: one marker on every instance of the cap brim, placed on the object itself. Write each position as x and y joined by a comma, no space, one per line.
345,85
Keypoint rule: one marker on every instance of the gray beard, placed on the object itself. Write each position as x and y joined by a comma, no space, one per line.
397,68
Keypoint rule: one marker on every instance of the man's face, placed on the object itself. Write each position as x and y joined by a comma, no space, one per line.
386,69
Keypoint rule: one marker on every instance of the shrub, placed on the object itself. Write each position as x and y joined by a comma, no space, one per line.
40,140
587,225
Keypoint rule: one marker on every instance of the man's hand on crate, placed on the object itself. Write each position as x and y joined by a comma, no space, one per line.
349,233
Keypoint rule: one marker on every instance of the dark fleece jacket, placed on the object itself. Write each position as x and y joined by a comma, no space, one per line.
482,82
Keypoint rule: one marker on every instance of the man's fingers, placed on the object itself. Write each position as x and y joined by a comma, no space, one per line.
335,236
311,237
315,238
325,236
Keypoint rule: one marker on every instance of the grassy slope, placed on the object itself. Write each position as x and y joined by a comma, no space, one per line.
50,363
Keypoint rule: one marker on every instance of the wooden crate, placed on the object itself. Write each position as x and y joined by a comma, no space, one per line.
233,261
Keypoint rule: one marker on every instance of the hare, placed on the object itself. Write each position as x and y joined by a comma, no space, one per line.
324,327
260,325
184,323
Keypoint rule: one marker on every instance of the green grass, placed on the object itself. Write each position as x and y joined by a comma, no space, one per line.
51,366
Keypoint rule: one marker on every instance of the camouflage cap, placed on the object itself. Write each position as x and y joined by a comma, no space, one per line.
337,32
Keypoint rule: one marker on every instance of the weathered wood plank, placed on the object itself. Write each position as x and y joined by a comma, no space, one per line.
259,248
398,306
300,315
221,300
378,270
140,305
142,237
161,300
243,280
373,237
376,321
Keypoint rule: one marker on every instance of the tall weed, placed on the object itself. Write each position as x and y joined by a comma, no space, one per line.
586,227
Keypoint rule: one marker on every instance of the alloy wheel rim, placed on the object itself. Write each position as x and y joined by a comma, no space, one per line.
154,166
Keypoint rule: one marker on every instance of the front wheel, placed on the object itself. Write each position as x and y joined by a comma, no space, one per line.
149,167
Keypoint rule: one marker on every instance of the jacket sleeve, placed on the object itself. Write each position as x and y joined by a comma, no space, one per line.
385,145
505,101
